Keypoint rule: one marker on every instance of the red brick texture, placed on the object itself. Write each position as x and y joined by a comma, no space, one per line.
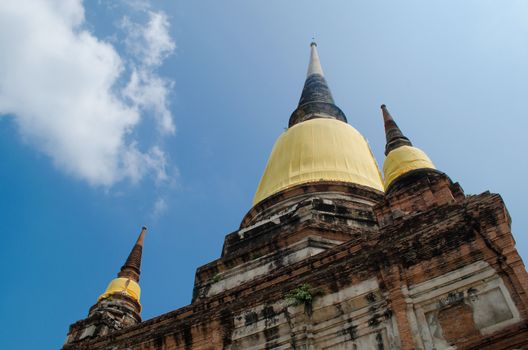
423,228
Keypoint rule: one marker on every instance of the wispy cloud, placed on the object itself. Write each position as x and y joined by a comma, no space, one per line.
160,207
61,84
150,42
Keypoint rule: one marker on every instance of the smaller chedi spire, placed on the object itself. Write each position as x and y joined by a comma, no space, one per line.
395,137
132,267
401,156
127,281
118,307
316,98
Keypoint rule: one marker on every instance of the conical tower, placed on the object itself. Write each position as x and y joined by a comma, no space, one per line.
318,147
316,99
319,167
132,267
118,307
127,281
410,176
393,134
402,157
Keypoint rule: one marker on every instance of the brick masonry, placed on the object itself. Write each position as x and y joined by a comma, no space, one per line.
421,267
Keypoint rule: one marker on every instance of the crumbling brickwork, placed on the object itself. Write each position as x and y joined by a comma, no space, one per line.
422,267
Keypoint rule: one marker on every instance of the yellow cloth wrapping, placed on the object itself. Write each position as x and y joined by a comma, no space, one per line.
402,160
319,150
123,286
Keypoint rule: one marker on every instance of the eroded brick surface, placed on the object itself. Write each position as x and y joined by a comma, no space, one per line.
423,267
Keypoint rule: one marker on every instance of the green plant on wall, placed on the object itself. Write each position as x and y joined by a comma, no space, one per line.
303,294
216,278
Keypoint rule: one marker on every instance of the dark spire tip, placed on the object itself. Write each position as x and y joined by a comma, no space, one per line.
393,134
316,99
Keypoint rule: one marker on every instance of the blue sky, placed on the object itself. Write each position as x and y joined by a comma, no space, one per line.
115,115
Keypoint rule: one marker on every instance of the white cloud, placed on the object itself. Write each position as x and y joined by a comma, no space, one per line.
160,207
138,5
149,92
59,81
151,43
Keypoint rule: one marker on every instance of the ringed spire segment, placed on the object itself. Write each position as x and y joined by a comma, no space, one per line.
132,267
393,134
316,98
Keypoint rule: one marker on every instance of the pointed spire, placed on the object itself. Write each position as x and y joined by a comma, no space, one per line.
316,99
314,67
315,87
395,137
132,267
402,157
